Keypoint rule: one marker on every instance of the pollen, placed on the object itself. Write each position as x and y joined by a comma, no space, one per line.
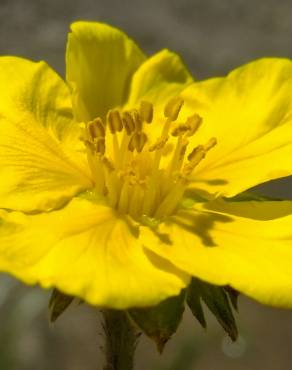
142,162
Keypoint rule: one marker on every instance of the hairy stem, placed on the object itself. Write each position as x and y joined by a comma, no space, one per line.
120,340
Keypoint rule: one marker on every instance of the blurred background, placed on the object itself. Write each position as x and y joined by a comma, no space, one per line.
213,37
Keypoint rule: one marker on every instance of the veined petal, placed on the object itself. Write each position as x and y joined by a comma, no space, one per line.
86,250
215,243
250,114
159,78
40,166
100,62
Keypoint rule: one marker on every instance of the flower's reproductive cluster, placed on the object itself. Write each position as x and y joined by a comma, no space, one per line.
136,176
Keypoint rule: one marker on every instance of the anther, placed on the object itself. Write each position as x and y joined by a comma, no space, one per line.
128,123
195,151
100,145
96,128
137,120
210,144
193,122
114,121
172,108
137,141
196,158
153,182
146,111
160,143
108,164
141,139
131,145
180,129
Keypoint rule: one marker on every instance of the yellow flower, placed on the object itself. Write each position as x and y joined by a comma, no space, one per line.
114,187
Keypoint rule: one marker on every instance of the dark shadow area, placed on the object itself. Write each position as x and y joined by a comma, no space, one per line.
201,224
215,182
162,264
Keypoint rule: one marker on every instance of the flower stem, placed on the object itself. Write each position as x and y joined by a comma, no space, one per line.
120,340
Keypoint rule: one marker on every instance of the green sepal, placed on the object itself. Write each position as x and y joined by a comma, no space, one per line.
160,322
233,296
195,305
216,299
58,303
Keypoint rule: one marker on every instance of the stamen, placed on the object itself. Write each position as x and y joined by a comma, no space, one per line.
96,128
195,151
178,156
114,121
128,123
136,200
210,144
108,164
115,125
171,112
89,146
141,140
183,148
137,120
95,166
167,149
124,197
195,157
160,143
136,181
190,127
173,108
189,167
137,141
111,181
124,153
180,129
100,145
193,122
170,202
146,111
131,145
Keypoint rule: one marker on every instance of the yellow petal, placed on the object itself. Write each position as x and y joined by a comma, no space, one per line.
86,250
250,114
219,243
159,78
40,167
100,62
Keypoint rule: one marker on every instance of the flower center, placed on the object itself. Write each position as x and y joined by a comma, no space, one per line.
138,175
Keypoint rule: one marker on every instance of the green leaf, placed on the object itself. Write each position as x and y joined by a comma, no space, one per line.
59,302
216,299
160,322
